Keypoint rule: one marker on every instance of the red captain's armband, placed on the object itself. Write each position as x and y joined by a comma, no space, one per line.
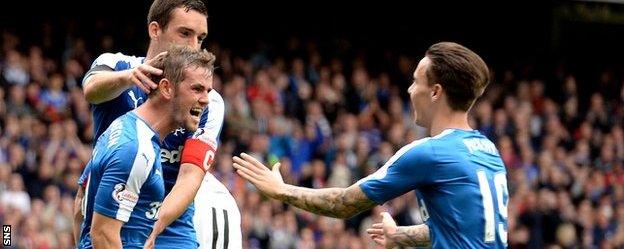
199,153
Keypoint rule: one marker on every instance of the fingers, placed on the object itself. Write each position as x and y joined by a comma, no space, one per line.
147,69
386,216
253,161
247,165
138,82
248,174
156,58
141,75
380,241
276,167
377,225
387,219
372,231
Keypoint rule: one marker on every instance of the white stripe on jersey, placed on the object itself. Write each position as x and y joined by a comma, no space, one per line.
214,121
110,60
83,206
141,168
381,172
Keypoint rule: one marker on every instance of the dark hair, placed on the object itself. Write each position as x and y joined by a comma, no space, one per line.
462,73
161,10
179,58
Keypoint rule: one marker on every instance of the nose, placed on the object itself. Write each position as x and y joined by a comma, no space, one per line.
204,100
193,42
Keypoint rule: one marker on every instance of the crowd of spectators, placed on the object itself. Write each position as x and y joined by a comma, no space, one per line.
330,120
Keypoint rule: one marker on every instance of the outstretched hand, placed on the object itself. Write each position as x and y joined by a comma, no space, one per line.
269,182
381,232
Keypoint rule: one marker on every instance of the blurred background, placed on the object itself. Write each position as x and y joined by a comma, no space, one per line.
321,86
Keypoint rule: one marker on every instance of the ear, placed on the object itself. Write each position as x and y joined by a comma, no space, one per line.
165,88
153,28
436,92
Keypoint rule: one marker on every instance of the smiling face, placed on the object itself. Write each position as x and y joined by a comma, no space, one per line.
420,93
185,28
191,97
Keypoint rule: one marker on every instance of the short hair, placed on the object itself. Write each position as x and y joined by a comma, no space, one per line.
180,58
161,10
462,73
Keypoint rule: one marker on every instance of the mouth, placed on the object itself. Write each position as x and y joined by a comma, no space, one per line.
195,112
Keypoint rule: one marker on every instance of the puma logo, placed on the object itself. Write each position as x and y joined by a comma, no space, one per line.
134,99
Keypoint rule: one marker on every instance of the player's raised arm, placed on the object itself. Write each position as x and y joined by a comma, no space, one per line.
102,83
388,235
385,184
334,202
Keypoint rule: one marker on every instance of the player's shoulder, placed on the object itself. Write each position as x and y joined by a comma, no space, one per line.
425,149
130,136
131,128
217,104
213,95
117,61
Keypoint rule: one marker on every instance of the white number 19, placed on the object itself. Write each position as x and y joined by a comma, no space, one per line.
500,185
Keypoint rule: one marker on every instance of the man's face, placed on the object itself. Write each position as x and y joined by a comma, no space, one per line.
184,28
420,94
191,97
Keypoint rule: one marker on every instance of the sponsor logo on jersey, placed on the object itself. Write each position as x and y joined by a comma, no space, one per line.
170,156
124,196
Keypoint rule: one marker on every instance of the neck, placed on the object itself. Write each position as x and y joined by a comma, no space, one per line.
448,119
156,117
151,51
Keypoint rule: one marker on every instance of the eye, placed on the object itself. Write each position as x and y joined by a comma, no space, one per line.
185,33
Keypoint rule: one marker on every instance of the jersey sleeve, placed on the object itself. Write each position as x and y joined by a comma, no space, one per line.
200,148
111,62
410,167
124,174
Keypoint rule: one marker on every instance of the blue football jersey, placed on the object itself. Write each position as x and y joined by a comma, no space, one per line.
461,186
105,113
125,180
180,233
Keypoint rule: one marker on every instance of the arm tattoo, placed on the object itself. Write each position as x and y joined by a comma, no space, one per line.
334,202
417,235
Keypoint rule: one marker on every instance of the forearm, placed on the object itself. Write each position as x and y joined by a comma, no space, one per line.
105,86
334,202
78,215
181,195
106,240
417,235
105,231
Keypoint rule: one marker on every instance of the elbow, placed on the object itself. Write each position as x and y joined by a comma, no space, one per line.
98,235
101,238
90,93
348,215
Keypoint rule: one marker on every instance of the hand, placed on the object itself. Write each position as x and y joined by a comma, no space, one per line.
140,75
149,243
269,182
382,232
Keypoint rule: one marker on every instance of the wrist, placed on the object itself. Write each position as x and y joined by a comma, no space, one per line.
127,76
282,192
